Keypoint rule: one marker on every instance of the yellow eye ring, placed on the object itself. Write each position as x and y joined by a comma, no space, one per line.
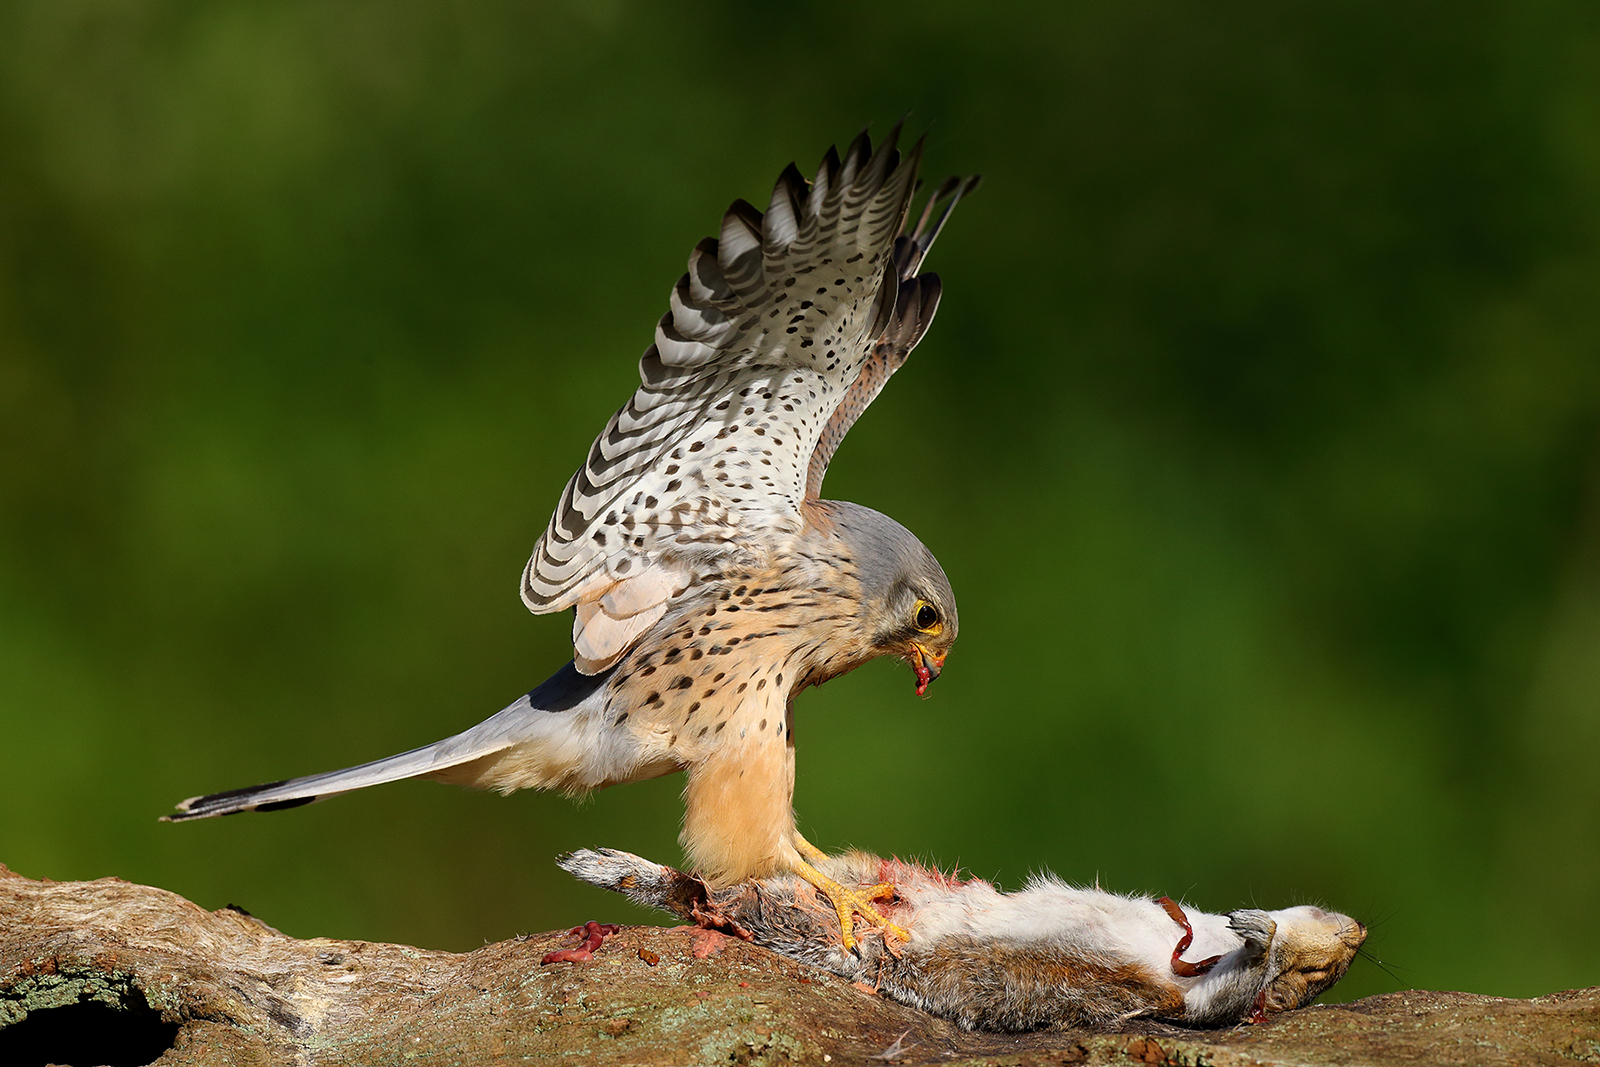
925,617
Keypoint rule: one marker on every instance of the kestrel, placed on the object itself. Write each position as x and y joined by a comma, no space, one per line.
710,582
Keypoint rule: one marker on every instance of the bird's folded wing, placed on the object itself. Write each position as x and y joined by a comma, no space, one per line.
766,333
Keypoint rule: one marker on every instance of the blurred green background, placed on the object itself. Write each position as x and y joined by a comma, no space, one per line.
1259,434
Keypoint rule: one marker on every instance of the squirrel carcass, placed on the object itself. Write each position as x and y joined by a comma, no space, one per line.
1048,956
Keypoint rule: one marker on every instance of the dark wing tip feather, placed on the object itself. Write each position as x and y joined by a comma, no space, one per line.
886,158
857,158
786,209
910,250
920,297
930,288
739,245
747,213
946,187
860,146
793,184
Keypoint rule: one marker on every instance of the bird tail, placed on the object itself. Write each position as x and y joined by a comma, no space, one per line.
550,713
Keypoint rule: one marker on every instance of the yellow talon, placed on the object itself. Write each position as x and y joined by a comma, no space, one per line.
847,903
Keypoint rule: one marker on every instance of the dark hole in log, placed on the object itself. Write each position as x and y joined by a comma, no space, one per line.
88,1034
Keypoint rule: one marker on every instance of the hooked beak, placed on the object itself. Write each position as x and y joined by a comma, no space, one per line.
927,666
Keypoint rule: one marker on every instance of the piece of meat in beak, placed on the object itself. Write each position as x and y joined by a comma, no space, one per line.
927,666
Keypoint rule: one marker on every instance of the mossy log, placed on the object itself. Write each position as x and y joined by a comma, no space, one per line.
110,972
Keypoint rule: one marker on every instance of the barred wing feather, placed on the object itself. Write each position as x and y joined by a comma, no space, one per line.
708,461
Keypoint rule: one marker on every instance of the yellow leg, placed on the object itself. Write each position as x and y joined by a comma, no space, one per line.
847,902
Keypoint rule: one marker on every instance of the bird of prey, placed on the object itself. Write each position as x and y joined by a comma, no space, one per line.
710,582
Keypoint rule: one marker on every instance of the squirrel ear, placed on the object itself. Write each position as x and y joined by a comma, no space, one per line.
1255,926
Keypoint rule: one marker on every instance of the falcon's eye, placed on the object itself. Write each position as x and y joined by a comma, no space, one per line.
927,618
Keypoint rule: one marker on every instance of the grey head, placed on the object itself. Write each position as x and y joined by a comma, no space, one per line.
908,609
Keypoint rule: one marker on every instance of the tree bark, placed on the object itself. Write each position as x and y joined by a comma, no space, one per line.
157,978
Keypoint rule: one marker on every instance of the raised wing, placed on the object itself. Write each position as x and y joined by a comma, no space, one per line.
915,303
766,333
